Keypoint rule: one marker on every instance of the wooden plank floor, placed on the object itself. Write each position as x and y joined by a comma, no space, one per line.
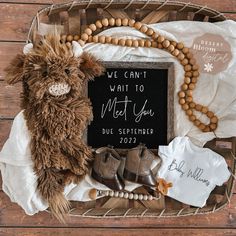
15,17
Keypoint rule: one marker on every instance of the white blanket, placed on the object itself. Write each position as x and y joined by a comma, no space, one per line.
216,92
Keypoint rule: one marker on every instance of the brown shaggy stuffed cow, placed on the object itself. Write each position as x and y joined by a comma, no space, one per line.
56,113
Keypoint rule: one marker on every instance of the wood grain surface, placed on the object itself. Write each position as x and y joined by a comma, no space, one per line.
15,18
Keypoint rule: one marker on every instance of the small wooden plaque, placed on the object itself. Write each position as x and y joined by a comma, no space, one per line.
132,104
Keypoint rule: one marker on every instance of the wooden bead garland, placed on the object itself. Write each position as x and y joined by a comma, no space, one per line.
94,193
177,49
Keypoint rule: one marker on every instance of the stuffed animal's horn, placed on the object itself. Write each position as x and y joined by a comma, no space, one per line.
77,49
27,48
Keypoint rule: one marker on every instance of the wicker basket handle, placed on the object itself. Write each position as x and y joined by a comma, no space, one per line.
146,8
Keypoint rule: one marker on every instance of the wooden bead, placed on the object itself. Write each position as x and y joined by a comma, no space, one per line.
144,29
189,99
207,129
138,25
180,45
148,43
210,114
150,197
189,112
84,37
191,86
88,31
195,73
194,79
185,50
150,32
195,67
188,74
198,107
95,39
101,39
187,68
108,39
135,43
141,42
185,107
189,55
118,22
159,45
69,38
171,48
182,101
213,126
175,52
98,24
105,22
192,117
184,62
204,110
173,43
76,37
155,35
197,122
192,104
192,61
111,21
92,27
63,38
214,120
187,80
115,41
166,43
131,22
140,197
184,87
181,56
122,42
153,44
131,196
125,21
128,42
81,42
90,39
181,94
189,93
116,194
202,126
160,39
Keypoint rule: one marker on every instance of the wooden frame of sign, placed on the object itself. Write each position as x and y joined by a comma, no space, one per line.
133,102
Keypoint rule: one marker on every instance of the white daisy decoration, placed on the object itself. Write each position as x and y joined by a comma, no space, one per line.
208,67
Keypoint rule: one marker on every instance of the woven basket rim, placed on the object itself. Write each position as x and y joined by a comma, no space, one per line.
142,5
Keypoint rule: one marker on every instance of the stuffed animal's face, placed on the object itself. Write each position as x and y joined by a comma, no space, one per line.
51,70
54,76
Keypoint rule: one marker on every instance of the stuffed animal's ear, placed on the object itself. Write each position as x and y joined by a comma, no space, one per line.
90,66
14,72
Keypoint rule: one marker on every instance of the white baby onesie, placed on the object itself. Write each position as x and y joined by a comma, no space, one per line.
194,171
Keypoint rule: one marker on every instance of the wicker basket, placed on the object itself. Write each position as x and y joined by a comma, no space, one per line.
74,18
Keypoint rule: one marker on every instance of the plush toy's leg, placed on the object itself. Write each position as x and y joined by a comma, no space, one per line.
51,185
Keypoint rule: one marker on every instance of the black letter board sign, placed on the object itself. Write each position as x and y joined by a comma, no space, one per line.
132,104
